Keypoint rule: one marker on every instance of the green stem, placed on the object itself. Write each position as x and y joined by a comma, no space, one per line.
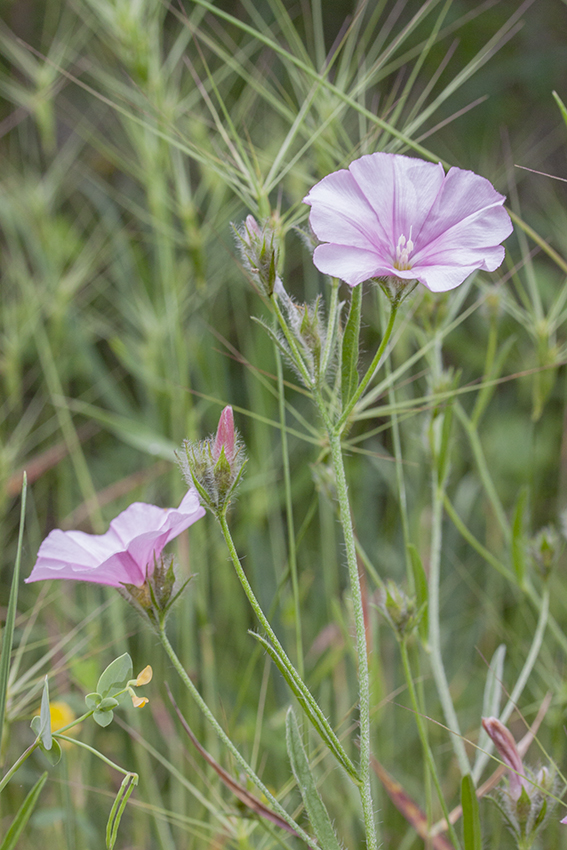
17,764
424,742
78,743
292,559
436,659
325,730
361,646
371,369
202,705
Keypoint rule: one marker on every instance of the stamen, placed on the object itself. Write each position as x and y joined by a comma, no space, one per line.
403,251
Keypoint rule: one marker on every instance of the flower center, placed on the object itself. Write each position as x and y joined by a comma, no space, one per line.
403,252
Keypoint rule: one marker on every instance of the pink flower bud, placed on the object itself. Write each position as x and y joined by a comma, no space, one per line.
225,434
252,226
504,742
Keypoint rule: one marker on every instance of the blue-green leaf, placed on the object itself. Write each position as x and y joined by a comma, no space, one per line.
53,754
103,718
45,718
93,700
116,676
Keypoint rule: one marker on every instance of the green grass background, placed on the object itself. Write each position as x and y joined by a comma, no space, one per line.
131,135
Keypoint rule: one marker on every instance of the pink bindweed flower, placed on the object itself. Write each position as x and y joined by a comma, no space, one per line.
125,555
392,216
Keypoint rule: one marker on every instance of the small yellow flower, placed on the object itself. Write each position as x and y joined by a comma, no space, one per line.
139,702
145,677
61,715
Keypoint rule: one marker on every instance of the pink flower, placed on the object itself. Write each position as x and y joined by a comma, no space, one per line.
396,216
125,554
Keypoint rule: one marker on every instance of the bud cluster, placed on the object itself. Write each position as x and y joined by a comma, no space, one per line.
214,466
305,322
525,803
399,609
259,252
155,597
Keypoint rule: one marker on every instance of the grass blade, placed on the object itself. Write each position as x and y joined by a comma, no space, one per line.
8,635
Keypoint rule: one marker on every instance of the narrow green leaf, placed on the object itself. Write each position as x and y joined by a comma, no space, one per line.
421,592
349,357
490,705
561,105
518,536
319,722
8,633
23,815
45,718
472,835
116,676
316,811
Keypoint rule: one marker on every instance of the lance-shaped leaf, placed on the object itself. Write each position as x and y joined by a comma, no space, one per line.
316,811
24,813
8,632
490,708
472,835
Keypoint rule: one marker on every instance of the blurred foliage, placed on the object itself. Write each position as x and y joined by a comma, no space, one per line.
131,134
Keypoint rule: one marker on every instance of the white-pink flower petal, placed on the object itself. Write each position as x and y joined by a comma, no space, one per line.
397,216
124,554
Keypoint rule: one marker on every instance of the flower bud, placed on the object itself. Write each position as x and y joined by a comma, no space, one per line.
214,466
504,742
399,609
530,796
545,548
259,252
305,321
154,597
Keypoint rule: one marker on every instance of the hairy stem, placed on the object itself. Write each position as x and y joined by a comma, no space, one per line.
204,708
371,369
360,626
